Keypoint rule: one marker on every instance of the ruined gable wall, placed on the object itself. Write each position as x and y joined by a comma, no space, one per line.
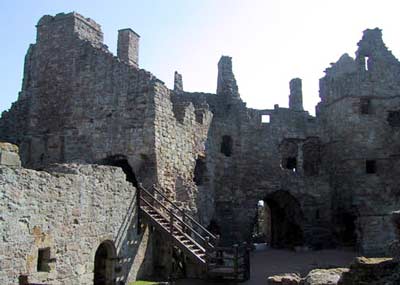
81,102
70,209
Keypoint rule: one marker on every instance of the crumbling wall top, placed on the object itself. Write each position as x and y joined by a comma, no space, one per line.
344,65
69,24
226,84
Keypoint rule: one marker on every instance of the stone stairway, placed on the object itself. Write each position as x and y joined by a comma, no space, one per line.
195,241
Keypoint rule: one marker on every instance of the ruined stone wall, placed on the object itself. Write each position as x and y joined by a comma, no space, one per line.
70,210
181,133
79,102
251,169
358,113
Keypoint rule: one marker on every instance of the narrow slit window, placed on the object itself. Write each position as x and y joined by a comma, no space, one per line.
365,106
366,63
265,119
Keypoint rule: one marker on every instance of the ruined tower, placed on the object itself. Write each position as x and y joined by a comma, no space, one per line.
226,79
178,83
296,95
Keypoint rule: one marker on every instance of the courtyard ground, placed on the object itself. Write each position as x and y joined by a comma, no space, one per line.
267,262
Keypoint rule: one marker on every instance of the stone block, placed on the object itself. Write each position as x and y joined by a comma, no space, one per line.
324,276
284,279
9,155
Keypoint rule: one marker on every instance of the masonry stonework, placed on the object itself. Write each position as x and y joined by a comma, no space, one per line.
325,181
70,210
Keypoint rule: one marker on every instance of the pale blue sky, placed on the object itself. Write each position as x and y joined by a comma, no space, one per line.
271,41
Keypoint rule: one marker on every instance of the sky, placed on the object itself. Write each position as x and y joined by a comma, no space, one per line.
270,41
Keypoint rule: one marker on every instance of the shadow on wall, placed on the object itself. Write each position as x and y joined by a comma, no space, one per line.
129,237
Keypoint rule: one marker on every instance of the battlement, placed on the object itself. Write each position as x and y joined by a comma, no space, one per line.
66,25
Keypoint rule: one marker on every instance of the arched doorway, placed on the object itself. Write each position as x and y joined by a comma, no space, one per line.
283,220
104,264
122,161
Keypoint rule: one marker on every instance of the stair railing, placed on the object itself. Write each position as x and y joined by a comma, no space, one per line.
188,218
175,222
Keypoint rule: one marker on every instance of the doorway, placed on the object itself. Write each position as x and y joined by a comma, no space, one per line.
280,220
104,264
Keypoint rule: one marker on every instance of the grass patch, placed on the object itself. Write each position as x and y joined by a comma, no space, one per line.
139,282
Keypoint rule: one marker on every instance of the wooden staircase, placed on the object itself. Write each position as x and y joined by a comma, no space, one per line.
194,240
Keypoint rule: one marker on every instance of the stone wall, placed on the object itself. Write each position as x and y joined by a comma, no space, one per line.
70,210
80,103
359,103
181,134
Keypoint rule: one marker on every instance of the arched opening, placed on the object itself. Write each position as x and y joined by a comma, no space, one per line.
280,220
104,264
122,161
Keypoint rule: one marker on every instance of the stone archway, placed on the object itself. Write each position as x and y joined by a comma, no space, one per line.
104,264
284,220
122,161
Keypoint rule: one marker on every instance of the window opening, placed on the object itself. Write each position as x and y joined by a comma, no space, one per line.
43,260
265,119
370,166
226,145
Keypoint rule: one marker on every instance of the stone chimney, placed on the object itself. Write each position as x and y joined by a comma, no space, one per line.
128,47
226,79
296,95
178,82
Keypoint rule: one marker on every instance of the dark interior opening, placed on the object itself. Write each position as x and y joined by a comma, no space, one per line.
370,166
289,153
104,264
43,260
226,145
365,106
280,221
291,163
200,171
346,228
122,161
393,118
23,280
214,228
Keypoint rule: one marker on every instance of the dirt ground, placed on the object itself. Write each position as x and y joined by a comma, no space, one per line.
266,262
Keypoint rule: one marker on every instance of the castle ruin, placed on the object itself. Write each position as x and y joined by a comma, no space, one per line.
327,181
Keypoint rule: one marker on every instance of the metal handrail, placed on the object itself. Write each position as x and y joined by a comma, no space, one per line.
208,233
187,226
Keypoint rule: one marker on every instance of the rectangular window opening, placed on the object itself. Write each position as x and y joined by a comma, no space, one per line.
265,119
370,166
43,260
365,106
366,63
